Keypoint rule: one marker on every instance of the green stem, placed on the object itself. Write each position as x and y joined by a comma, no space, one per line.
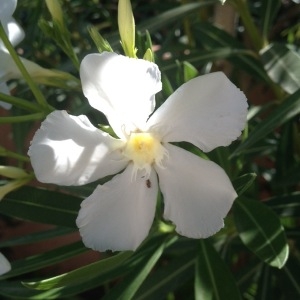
242,9
25,118
7,153
36,92
19,102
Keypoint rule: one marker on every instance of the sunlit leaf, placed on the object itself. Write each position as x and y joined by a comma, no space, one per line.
261,231
189,71
283,66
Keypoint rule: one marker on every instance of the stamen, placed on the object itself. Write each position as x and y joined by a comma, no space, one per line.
144,150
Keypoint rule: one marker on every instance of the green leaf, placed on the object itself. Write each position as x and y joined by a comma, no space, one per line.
213,280
172,15
283,113
41,205
189,71
261,231
42,260
129,285
286,205
242,183
101,43
167,278
82,274
36,237
164,19
101,271
285,147
269,10
290,277
264,283
15,290
203,56
166,85
283,66
212,37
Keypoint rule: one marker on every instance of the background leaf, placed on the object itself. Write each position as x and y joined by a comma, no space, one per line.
269,10
283,66
213,279
261,231
283,113
41,205
211,37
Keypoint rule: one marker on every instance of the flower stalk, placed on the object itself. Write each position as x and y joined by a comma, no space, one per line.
35,90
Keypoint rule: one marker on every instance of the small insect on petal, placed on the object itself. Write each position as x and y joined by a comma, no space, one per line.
148,183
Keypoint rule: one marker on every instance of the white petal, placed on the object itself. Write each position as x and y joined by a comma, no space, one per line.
5,90
8,68
119,214
197,193
69,150
15,32
7,8
122,88
4,264
208,111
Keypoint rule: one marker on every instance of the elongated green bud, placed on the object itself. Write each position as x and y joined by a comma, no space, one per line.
126,27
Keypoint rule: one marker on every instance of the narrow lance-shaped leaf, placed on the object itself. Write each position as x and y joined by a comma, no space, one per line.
242,183
129,286
167,278
261,231
42,260
40,205
283,113
213,279
82,274
286,205
211,37
269,9
36,237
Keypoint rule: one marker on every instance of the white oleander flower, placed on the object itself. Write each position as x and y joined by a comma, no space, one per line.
208,111
14,32
15,35
4,265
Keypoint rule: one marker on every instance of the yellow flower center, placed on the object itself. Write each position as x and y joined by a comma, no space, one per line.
144,150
